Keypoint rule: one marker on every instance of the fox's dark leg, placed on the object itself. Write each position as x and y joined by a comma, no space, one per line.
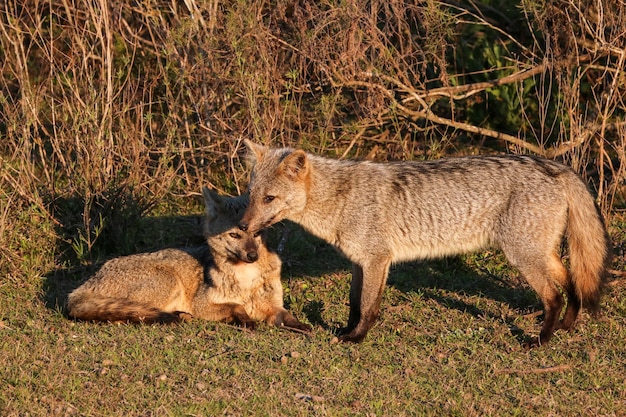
239,316
572,309
553,307
356,287
554,272
557,273
542,273
366,293
285,319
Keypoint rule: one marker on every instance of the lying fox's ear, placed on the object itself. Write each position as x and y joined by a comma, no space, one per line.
295,165
212,201
237,204
256,152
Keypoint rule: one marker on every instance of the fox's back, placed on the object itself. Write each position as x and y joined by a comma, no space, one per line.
443,207
377,214
146,275
408,180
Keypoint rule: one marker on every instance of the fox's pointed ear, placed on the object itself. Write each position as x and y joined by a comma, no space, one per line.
256,152
295,165
238,204
212,201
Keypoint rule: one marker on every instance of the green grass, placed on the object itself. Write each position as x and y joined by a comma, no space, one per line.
447,343
112,118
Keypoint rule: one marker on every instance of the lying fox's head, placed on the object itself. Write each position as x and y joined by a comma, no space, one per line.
279,185
222,232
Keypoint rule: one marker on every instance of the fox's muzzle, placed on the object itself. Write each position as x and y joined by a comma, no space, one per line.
254,225
252,256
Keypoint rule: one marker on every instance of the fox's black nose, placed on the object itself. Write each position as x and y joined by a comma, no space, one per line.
252,256
243,226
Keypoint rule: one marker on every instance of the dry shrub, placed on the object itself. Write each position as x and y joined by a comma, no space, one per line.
110,107
586,42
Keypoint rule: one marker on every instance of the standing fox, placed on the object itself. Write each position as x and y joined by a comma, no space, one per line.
236,278
380,213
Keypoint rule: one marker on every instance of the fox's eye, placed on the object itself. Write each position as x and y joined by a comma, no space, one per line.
235,235
257,234
268,199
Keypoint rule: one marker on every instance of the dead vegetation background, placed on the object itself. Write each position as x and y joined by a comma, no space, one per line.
114,113
110,107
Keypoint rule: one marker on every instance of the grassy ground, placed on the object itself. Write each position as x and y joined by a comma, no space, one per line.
109,108
448,343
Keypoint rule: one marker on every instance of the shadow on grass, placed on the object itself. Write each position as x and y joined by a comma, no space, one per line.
446,281
438,280
82,252
302,254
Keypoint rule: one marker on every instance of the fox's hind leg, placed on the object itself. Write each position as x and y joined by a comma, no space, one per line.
530,234
572,309
557,273
552,303
564,279
224,312
542,273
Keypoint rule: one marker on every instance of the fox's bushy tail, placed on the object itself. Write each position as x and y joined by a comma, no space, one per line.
92,307
589,244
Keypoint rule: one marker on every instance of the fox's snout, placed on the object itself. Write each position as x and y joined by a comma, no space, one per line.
254,222
245,226
244,222
252,256
250,251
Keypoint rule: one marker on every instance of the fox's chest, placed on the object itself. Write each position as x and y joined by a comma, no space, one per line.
248,276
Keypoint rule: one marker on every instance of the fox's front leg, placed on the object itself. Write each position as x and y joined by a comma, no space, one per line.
225,312
283,318
366,291
356,286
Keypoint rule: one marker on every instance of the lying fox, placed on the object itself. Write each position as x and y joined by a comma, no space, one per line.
235,279
380,213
